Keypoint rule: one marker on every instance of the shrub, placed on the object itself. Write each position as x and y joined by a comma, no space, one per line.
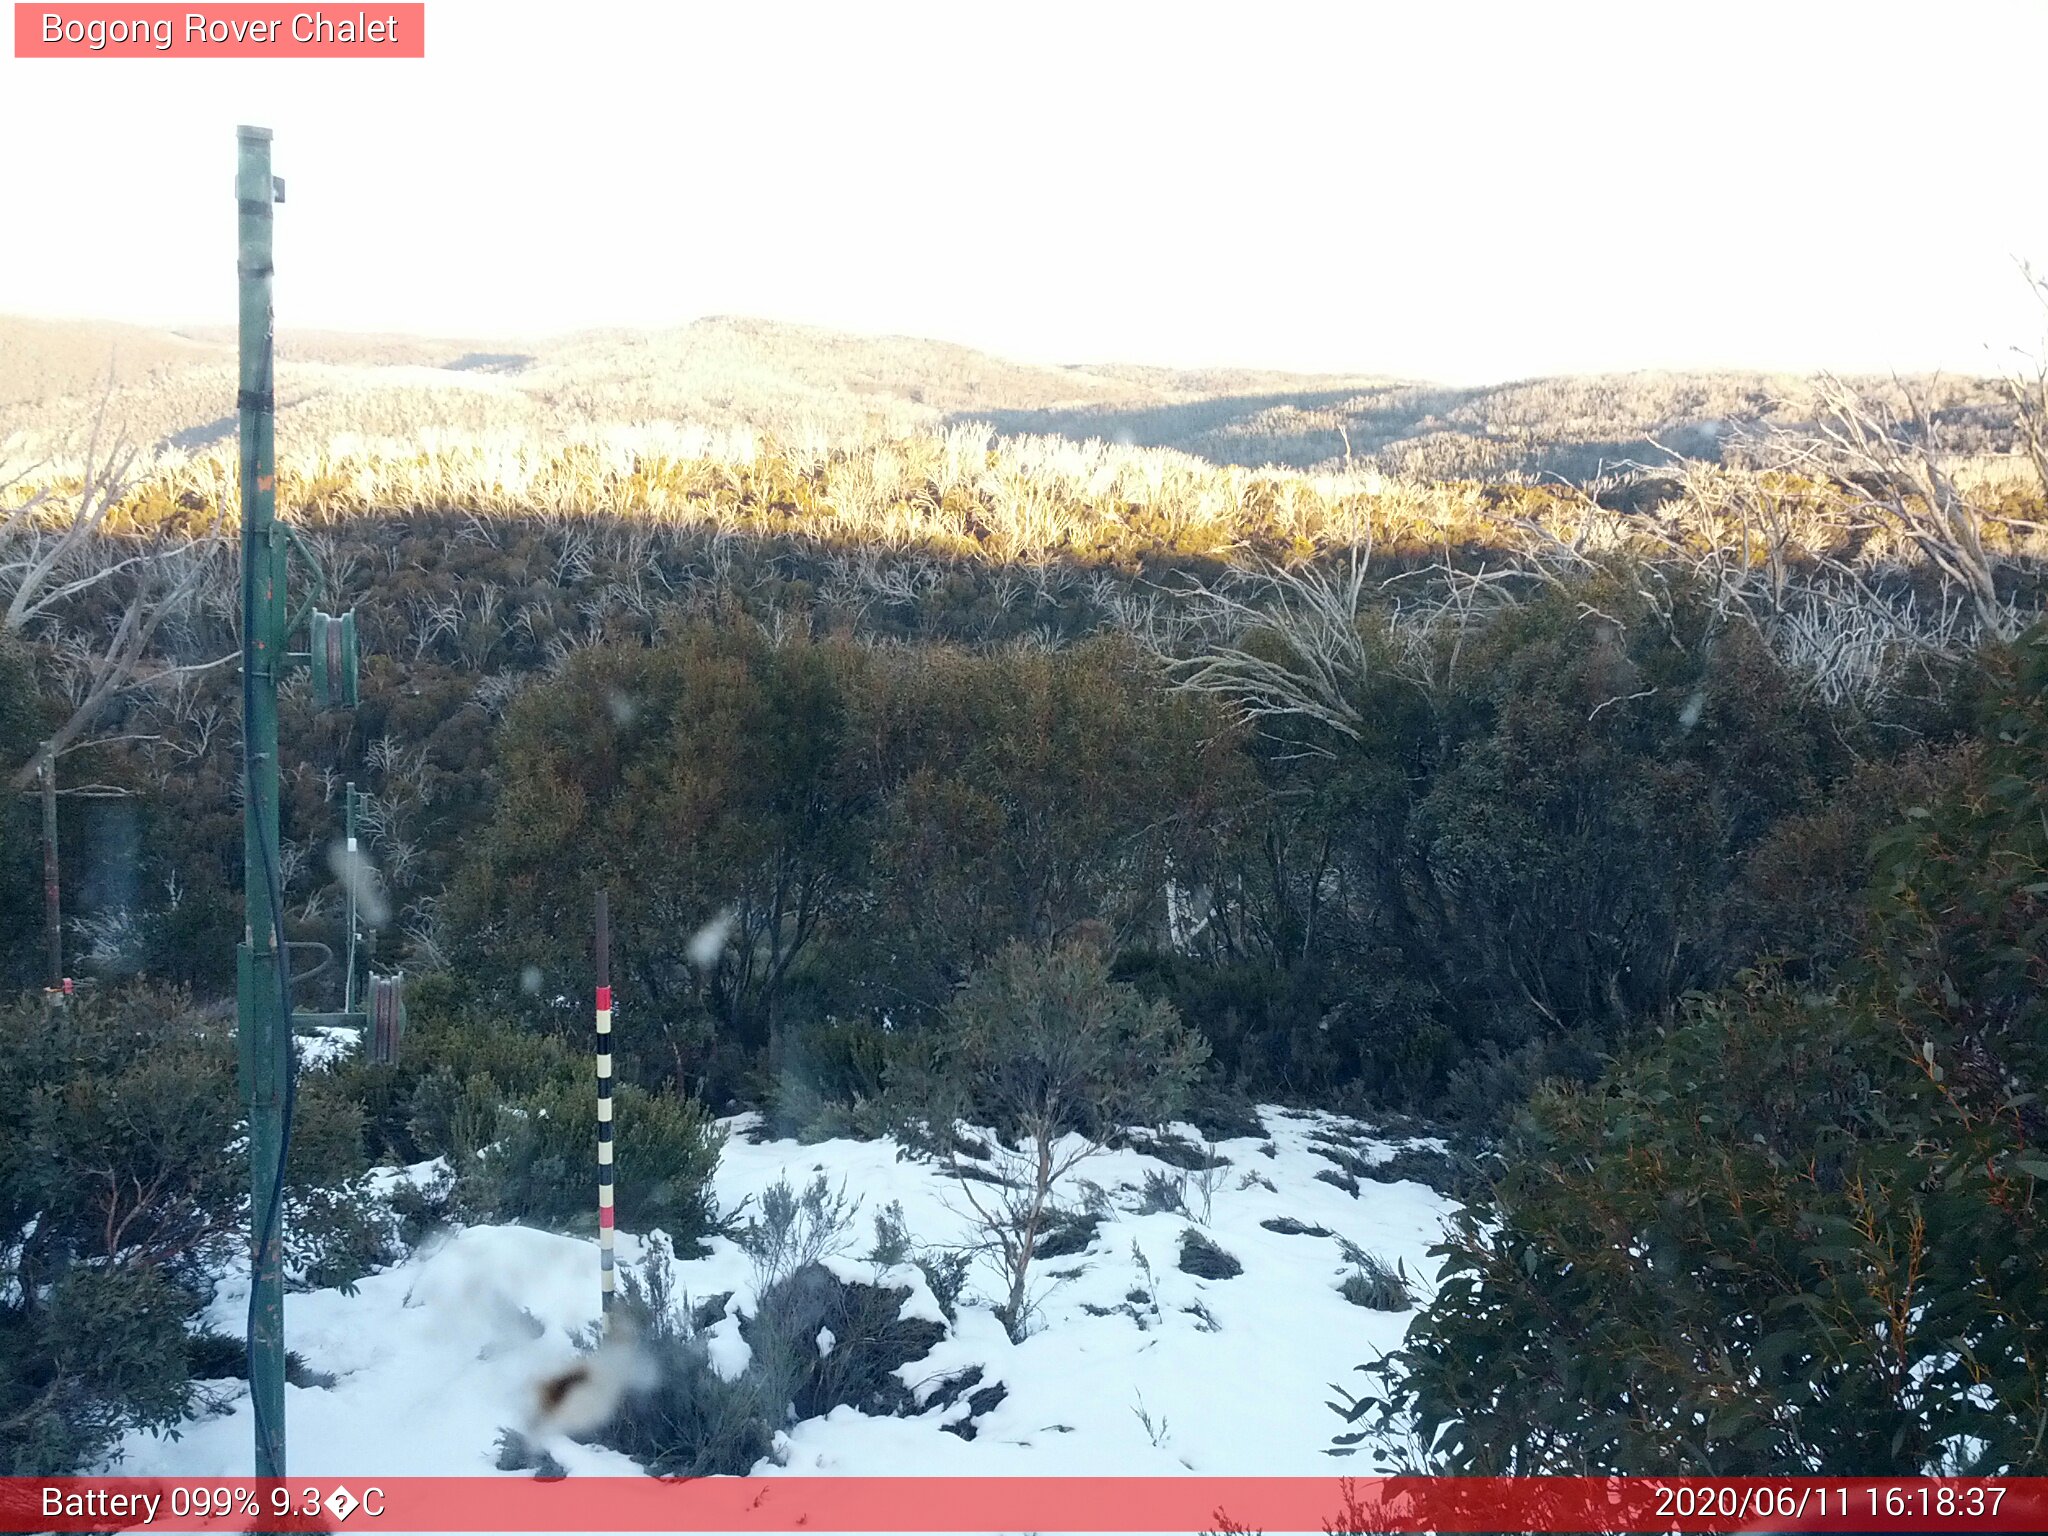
1801,1231
120,1192
1447,1174
820,1342
944,1269
704,780
690,1421
103,1351
1374,1285
541,1167
1068,1233
892,1237
831,1081
1163,1192
795,1231
1718,1294
1058,1058
21,730
817,1342
420,1209
514,1111
1202,1257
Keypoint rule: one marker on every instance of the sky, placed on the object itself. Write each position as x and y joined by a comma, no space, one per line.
1465,192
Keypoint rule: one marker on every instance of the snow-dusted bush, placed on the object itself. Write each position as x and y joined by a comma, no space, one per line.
122,1184
944,1269
1202,1257
690,1421
821,1342
1375,1284
1043,1047
815,1342
791,1231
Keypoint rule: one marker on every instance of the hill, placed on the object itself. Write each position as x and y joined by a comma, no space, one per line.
809,383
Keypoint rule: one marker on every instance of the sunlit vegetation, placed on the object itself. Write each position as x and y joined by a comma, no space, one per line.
1547,812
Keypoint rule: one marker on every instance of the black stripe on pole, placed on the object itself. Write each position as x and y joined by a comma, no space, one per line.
607,1281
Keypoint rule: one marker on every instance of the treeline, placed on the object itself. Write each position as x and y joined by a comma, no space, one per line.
1521,840
1497,870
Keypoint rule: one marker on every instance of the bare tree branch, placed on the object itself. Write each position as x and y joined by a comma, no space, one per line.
54,553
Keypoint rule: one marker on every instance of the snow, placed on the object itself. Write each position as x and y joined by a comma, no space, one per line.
327,1043
434,1356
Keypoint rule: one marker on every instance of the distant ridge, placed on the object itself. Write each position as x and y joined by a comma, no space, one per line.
176,386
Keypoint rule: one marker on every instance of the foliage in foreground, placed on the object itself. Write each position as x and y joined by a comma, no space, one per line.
1804,1230
688,1420
513,1112
121,1189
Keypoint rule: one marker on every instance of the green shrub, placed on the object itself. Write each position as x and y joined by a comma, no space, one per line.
117,1120
1802,1231
542,1165
1042,1046
418,1210
455,1117
830,1081
1657,1289
1375,1285
105,1350
689,1421
704,781
513,1110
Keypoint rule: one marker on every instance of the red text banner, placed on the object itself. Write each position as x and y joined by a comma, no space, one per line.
375,31
968,1504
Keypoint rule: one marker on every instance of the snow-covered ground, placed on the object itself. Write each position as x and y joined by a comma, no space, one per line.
431,1358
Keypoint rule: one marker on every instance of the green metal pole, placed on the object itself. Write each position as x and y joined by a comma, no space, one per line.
265,1035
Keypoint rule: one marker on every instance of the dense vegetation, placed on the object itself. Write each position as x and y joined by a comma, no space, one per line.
1801,1229
1548,818
1505,866
120,1194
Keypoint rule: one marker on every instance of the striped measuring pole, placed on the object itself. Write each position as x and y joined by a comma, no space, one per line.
607,1274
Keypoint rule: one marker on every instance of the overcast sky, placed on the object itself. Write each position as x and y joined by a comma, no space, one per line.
1457,191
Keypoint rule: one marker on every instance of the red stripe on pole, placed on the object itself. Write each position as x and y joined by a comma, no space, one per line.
603,956
1111,1504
